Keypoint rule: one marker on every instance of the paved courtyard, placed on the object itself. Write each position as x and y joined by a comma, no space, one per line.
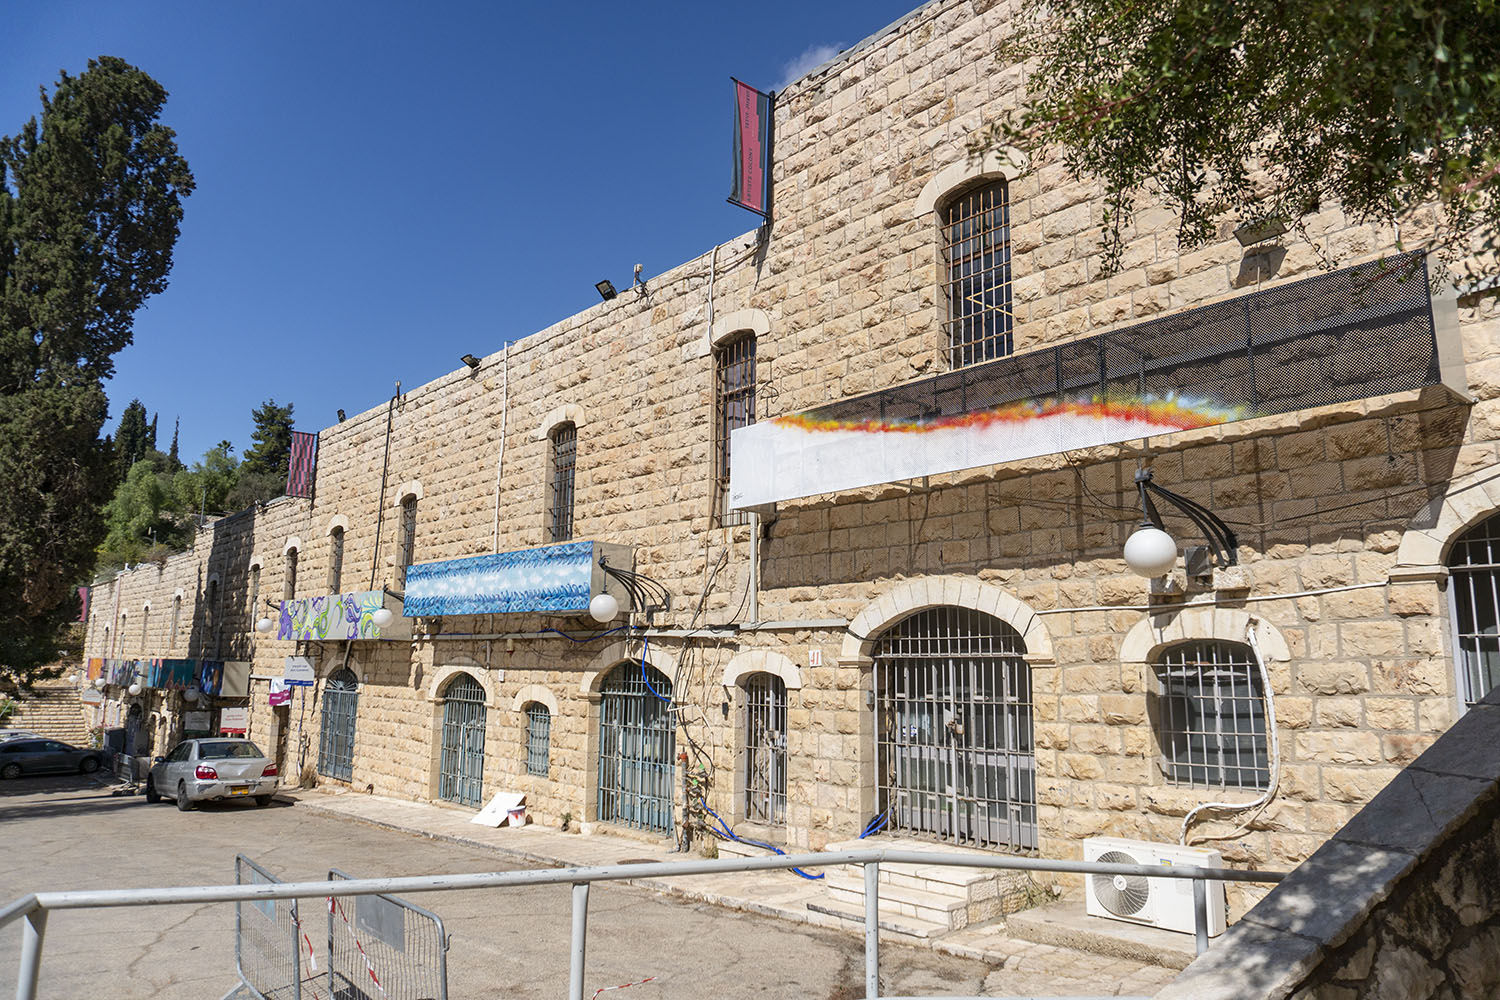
63,833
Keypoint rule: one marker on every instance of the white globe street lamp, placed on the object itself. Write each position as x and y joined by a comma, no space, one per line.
1150,552
135,689
382,617
264,626
603,608
99,683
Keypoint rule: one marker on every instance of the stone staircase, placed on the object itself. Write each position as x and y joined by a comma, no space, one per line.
51,708
916,901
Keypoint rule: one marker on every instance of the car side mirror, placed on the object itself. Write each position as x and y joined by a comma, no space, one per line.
157,760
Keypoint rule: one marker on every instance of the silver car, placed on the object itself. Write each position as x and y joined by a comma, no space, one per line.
211,769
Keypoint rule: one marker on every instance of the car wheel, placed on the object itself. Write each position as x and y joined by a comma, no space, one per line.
10,771
183,802
89,765
152,795
263,800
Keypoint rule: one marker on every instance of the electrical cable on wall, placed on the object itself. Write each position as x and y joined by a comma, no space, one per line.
1265,798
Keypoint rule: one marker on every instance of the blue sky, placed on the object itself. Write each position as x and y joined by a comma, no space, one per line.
383,186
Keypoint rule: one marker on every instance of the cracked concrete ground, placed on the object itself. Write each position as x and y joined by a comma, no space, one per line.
71,833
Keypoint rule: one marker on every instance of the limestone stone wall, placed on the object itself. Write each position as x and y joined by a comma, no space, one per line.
1343,513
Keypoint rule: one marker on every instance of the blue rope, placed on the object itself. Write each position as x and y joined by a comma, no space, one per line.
729,834
647,679
876,825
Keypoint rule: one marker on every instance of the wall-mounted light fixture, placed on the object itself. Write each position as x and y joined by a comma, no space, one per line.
265,625
606,289
382,617
471,361
603,608
341,416
99,683
135,689
1151,552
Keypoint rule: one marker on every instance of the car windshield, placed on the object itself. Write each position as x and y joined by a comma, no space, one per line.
226,750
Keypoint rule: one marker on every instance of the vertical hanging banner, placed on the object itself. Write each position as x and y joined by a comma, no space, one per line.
303,465
752,150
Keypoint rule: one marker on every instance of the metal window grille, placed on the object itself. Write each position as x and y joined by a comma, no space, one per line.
145,629
335,559
538,738
564,462
289,585
1474,602
255,611
954,730
976,254
461,763
734,407
637,748
765,749
408,537
1212,725
211,616
336,732
177,619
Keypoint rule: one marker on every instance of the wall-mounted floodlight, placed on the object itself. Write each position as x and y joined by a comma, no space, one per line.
341,416
470,360
606,289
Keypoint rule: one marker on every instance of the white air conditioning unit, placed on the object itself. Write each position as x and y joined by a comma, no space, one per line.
1158,902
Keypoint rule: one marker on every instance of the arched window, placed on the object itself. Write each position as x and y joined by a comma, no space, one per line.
146,629
538,738
1474,602
336,733
563,461
176,621
461,763
255,612
765,749
406,555
335,559
953,724
734,407
211,618
976,274
1211,720
289,584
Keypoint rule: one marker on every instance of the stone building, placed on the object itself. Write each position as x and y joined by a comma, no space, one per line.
899,603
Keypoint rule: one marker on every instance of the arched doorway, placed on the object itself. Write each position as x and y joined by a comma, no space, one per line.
955,760
461,764
336,731
637,748
765,749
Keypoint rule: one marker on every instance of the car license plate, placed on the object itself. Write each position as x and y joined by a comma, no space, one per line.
240,791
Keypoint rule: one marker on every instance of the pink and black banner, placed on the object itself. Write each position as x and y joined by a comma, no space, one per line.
752,150
303,467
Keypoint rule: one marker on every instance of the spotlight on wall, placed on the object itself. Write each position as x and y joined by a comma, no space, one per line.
470,360
341,416
606,289
264,626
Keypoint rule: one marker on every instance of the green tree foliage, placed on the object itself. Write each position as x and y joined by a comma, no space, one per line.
174,461
142,520
90,204
206,487
1251,111
262,475
132,438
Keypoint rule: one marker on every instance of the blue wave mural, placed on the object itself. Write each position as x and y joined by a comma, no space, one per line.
552,578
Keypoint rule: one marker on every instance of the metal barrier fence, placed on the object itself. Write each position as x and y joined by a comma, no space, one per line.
384,948
34,909
267,932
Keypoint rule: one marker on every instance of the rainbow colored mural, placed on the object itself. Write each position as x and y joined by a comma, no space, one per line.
805,454
336,616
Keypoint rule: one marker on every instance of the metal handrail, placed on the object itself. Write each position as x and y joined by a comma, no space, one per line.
34,908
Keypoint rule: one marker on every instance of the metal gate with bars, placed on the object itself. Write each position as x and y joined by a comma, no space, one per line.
637,746
954,730
336,732
1474,602
461,766
765,749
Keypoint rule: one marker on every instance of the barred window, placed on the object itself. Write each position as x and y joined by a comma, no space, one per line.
335,559
1212,724
254,603
560,487
734,407
146,629
538,737
408,538
1474,599
177,618
976,280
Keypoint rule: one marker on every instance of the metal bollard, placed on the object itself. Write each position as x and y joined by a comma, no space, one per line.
33,930
872,930
1200,914
580,939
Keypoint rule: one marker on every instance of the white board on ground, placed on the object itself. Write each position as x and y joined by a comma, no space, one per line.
505,807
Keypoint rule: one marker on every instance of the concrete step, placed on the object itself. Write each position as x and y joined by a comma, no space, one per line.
848,892
898,926
1066,925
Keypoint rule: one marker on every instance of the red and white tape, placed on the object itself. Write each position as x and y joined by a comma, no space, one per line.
606,989
334,907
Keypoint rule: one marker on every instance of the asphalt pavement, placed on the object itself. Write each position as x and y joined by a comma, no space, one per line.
72,833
